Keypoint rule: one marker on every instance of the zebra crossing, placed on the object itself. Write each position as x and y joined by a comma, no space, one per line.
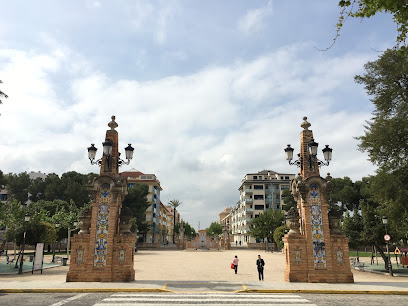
141,299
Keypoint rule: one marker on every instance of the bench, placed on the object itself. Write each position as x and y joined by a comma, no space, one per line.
354,263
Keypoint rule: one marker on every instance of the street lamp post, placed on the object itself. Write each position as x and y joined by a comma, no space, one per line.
69,237
57,225
385,221
26,220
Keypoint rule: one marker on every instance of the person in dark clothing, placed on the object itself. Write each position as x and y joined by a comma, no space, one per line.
260,265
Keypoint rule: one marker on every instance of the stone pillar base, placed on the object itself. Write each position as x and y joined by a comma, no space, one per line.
299,263
119,269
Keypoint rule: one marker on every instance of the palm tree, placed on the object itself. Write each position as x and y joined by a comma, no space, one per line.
174,203
2,94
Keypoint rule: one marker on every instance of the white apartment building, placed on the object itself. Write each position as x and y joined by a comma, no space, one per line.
258,193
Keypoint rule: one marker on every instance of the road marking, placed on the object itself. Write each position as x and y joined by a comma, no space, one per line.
164,286
125,299
72,298
243,286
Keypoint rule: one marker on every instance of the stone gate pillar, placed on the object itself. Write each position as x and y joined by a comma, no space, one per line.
313,254
103,253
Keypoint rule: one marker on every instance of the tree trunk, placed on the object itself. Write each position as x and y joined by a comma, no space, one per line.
383,255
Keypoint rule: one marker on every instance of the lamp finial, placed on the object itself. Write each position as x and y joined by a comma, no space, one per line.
305,125
113,123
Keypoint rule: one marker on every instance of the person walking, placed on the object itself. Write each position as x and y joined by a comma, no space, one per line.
235,262
260,265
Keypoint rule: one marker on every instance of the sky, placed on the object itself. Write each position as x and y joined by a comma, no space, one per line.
205,91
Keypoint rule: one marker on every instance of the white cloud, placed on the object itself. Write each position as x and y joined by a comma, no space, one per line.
200,133
254,20
147,18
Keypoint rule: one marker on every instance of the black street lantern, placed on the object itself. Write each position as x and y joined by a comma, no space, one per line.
327,153
26,220
107,147
92,152
129,152
289,153
313,147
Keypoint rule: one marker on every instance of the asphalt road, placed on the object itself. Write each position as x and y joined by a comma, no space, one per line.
124,299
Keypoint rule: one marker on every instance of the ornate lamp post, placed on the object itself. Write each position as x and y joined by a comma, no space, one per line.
103,250
315,251
385,221
26,220
312,156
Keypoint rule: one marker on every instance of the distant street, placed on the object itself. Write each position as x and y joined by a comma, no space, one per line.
125,299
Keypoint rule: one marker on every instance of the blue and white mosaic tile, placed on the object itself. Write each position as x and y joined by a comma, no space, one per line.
319,250
102,227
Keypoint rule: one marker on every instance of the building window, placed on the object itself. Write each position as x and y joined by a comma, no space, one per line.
258,197
256,216
286,177
284,187
258,187
255,177
259,207
260,177
281,177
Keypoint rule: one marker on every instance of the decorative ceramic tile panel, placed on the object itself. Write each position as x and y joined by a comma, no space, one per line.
298,256
79,256
121,256
319,250
340,256
102,227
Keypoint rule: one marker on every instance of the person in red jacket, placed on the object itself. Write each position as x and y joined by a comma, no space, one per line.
235,262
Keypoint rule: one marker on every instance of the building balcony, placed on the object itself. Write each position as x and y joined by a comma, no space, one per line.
248,190
249,210
248,200
248,220
268,201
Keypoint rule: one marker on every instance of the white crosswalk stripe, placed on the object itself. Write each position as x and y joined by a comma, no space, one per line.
141,299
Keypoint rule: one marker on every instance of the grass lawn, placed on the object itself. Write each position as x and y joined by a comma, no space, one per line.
361,254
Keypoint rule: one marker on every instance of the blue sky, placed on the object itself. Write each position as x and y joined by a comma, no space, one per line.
206,91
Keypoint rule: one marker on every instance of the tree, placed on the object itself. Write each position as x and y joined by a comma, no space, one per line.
265,225
288,199
215,229
70,187
174,203
37,190
278,235
352,227
368,8
2,180
386,135
189,231
17,186
136,201
2,94
346,192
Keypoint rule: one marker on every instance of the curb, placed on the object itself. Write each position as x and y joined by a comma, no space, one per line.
84,290
314,291
157,290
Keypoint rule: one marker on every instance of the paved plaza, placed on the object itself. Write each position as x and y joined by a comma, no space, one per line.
201,271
